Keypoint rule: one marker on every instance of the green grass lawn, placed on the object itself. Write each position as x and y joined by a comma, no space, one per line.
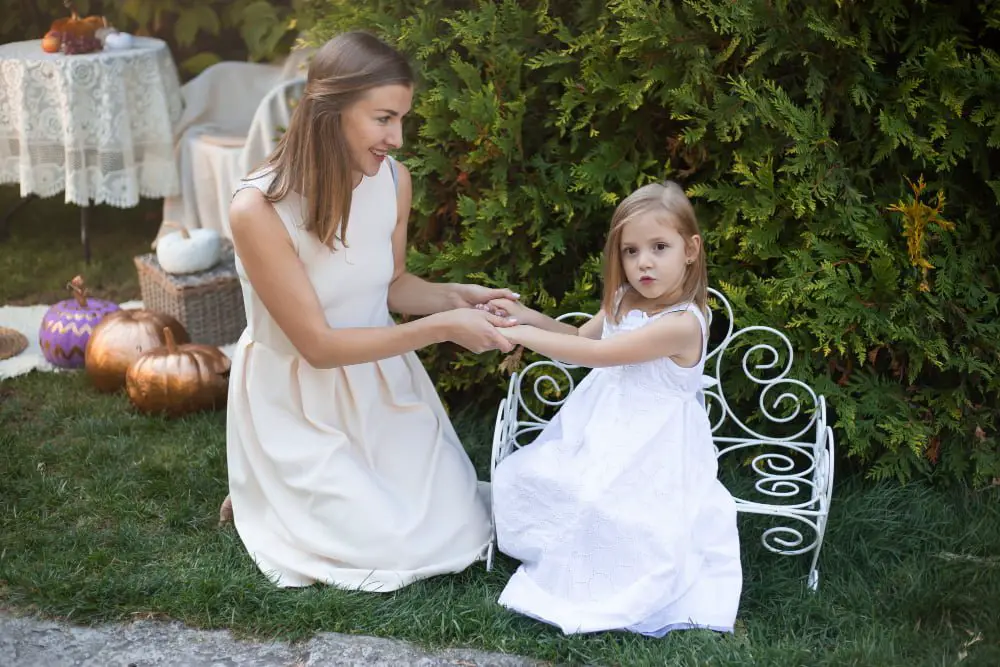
109,515
44,252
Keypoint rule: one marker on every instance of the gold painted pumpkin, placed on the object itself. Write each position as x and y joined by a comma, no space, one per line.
123,337
74,25
77,35
178,379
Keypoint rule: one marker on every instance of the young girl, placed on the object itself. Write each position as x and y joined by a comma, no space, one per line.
615,511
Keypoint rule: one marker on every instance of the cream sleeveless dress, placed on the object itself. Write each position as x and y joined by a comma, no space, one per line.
349,476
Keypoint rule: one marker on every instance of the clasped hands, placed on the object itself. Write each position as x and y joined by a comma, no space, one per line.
484,318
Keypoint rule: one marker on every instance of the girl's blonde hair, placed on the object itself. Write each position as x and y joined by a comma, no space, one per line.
671,206
312,157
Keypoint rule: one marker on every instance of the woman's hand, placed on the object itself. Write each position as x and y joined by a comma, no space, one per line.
474,329
469,296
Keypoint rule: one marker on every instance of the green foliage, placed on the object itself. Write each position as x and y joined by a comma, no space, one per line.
797,129
200,32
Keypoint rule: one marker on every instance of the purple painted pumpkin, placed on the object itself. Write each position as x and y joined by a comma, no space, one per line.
67,326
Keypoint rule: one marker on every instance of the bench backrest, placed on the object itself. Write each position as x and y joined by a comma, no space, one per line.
757,410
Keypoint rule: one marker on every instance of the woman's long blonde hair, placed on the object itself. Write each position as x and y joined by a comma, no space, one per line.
312,157
667,201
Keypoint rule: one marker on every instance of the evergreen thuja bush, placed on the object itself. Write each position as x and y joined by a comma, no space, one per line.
842,156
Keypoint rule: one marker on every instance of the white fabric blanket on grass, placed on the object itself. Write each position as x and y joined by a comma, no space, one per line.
27,320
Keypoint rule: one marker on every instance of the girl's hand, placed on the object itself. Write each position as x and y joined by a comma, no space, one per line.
503,319
475,330
524,315
515,334
508,308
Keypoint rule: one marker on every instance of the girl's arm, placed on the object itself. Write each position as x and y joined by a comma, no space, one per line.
677,335
531,317
412,295
280,281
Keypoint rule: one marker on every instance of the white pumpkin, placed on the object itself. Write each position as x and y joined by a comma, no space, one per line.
118,40
187,251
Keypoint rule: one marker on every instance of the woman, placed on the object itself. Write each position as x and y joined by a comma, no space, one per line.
343,466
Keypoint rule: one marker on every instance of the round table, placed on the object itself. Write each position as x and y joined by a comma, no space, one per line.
96,126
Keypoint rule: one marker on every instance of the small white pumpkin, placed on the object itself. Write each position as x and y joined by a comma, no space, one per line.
118,40
188,251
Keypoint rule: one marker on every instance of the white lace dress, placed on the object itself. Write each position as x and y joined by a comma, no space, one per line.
616,512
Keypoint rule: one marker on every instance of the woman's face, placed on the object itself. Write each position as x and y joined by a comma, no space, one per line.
373,126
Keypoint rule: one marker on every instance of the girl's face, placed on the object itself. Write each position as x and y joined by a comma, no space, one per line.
656,258
373,126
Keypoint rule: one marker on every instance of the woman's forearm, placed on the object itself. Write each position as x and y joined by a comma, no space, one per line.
332,348
410,295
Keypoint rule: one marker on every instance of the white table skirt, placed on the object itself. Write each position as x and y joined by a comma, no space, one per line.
97,126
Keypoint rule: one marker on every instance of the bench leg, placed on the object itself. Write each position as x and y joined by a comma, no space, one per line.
826,484
812,583
490,550
496,453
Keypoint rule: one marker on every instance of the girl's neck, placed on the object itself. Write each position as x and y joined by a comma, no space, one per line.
632,300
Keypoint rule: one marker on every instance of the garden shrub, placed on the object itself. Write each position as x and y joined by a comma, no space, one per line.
840,155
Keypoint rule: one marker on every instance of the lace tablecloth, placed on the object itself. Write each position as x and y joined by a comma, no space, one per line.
98,126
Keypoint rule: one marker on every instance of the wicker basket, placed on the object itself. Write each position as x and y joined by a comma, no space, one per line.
209,304
12,343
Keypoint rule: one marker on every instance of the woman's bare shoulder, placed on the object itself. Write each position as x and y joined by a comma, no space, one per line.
251,214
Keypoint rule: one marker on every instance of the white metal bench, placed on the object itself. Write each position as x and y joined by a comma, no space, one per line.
792,470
